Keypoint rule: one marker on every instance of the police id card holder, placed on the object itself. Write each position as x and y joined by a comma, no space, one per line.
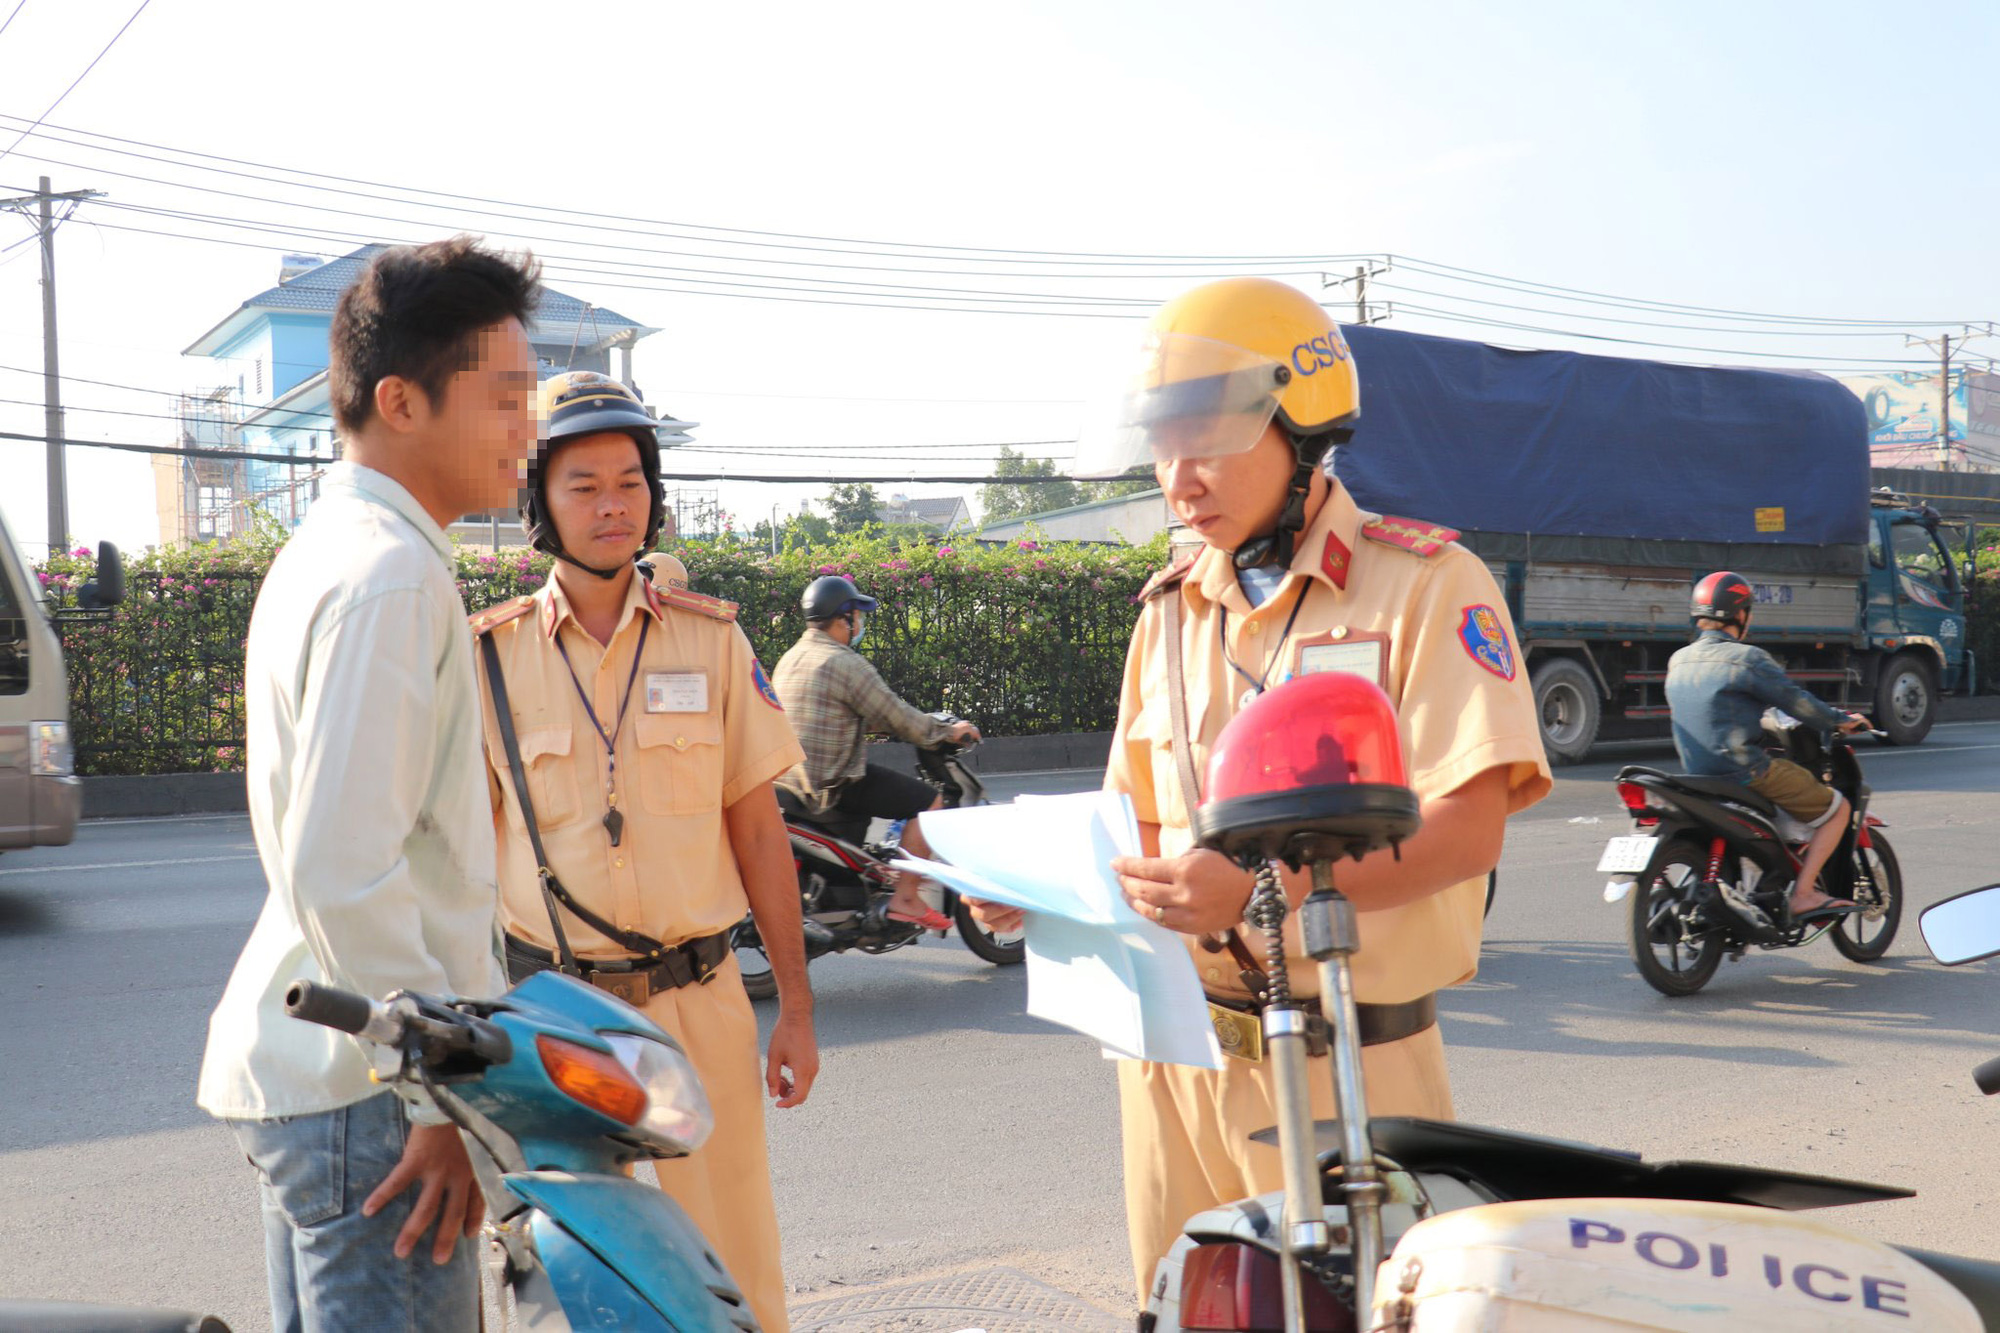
677,690
1358,652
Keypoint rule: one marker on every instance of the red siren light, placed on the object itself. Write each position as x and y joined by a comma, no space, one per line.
1310,770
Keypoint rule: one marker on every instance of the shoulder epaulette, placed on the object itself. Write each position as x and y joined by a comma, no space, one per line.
712,607
494,616
1410,534
1169,577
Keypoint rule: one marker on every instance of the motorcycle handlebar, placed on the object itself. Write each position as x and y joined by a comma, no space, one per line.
329,1006
1987,1077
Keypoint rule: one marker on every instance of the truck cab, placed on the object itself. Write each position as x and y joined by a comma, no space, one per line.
1914,616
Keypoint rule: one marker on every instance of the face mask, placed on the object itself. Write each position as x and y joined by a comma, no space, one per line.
860,623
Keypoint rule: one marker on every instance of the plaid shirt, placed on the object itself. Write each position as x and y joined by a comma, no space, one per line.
835,697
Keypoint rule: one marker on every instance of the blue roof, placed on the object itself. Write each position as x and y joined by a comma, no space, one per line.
317,292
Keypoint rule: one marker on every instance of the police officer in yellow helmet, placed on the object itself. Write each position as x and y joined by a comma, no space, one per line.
1241,388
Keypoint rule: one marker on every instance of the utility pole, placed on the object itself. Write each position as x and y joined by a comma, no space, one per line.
1362,273
52,414
1943,346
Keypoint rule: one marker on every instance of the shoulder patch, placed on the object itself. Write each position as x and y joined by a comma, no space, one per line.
1169,577
494,616
763,684
1410,534
1486,642
712,607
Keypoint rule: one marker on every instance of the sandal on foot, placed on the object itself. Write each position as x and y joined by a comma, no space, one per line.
1832,907
932,919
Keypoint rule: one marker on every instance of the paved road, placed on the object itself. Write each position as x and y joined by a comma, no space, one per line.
951,1132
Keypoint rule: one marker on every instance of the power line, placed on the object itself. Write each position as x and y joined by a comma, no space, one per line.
75,81
1487,322
998,254
183,451
1641,323
10,23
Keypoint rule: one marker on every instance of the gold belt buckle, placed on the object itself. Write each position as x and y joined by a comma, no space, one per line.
635,988
1240,1035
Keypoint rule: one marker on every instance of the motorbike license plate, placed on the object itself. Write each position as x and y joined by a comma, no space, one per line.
1626,856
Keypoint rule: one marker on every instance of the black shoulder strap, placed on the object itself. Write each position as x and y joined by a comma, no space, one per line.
552,888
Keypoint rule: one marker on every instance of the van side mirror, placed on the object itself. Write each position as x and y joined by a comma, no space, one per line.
108,588
1964,929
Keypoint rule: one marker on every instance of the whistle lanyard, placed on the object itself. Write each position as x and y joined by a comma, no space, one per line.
1257,682
614,822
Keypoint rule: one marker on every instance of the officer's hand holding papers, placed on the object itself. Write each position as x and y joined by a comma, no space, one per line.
1094,964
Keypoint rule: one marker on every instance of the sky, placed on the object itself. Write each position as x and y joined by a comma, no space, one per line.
1820,169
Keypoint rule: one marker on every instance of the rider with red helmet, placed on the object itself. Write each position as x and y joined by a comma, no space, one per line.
1718,688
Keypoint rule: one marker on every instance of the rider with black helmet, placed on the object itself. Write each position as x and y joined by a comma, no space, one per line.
835,697
1718,687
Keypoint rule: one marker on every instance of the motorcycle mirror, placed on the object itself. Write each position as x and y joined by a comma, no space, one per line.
108,588
1964,929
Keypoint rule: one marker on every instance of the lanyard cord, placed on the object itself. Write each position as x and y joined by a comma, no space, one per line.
1222,634
614,822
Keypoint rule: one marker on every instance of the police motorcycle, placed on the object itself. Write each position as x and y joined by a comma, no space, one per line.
845,880
1710,865
557,1087
1406,1225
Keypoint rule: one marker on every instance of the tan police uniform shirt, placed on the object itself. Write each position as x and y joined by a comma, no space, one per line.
1392,600
702,730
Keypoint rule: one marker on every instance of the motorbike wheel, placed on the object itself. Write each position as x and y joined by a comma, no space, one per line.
1866,935
1669,964
999,950
758,979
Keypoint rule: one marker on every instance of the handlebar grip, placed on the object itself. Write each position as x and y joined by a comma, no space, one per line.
1987,1077
328,1006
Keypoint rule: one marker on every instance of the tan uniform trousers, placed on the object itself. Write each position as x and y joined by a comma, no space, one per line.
1187,1144
726,1186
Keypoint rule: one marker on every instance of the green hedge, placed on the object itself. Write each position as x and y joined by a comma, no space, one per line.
1024,639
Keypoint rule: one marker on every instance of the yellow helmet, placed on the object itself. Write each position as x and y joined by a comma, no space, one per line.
1217,365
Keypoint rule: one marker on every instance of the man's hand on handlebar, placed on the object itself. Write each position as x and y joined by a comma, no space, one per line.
964,733
1855,722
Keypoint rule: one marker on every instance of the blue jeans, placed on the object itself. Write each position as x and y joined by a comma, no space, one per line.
331,1269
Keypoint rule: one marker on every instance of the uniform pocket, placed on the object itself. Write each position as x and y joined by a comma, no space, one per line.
1152,734
680,763
552,774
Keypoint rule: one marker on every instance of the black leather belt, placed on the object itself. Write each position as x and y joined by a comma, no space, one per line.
692,962
1380,1024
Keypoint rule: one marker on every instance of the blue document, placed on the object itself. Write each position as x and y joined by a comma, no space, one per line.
1094,964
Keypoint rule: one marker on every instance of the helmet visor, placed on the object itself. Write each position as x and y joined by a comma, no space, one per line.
1191,397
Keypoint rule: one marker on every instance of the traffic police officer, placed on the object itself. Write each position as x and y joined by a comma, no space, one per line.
1243,387
649,738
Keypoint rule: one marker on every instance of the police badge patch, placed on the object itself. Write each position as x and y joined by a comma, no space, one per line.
764,685
1485,640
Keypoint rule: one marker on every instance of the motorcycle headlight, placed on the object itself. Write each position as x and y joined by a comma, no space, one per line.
677,1109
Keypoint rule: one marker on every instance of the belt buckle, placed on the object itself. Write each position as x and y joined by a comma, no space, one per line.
1241,1036
635,987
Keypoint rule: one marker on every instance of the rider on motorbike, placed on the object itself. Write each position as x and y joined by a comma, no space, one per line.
835,697
1718,688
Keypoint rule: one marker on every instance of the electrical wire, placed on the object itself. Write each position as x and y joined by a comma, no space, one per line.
75,81
184,451
10,23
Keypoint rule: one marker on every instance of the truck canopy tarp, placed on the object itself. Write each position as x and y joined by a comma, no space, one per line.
1641,456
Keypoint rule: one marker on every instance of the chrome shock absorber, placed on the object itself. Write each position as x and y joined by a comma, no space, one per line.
1305,1228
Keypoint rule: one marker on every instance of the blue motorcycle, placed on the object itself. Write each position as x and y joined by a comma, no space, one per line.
557,1086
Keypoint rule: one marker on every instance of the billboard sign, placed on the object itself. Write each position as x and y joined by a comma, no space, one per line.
1903,410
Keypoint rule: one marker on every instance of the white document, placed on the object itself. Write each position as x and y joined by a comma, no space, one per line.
1094,964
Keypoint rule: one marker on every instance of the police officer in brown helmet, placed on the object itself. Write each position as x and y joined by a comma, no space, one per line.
649,738
1242,387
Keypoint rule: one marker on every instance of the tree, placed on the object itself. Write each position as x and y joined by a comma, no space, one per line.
851,506
801,529
1111,490
1002,501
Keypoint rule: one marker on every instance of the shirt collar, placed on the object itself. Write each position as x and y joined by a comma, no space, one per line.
385,490
1324,551
555,607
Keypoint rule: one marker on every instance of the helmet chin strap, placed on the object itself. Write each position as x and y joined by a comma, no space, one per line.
605,574
1279,545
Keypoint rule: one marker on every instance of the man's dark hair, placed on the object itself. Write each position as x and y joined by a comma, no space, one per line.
414,312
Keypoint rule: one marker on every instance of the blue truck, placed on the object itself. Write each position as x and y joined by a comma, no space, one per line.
1599,489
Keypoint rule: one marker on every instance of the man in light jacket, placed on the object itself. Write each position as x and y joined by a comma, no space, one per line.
368,797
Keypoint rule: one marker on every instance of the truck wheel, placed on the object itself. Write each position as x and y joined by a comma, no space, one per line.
1905,700
1567,707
